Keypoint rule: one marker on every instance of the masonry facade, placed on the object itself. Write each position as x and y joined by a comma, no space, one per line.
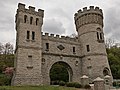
37,53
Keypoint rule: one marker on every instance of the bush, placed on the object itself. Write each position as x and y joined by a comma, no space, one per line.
62,83
70,84
77,85
119,84
87,86
114,84
73,84
4,80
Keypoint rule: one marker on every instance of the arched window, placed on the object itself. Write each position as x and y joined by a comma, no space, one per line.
31,20
106,71
25,18
37,20
98,29
100,35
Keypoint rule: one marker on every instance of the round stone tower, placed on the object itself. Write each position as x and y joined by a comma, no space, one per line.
89,25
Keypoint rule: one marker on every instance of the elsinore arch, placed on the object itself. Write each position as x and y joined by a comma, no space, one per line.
36,52
64,69
71,64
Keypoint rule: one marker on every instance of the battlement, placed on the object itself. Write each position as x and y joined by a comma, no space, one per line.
91,9
88,16
30,10
59,38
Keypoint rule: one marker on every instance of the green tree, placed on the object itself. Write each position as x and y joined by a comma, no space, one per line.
59,72
114,61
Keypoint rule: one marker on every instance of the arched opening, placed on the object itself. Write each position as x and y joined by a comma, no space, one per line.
31,20
37,20
25,18
60,71
106,71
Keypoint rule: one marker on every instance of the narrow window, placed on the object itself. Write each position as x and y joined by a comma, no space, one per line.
47,46
73,49
101,36
97,36
30,56
31,19
25,18
30,61
37,20
43,61
33,35
88,48
28,34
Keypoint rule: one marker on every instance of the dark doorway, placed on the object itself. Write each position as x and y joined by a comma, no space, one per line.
60,71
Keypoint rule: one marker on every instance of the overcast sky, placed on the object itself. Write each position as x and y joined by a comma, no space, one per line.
59,16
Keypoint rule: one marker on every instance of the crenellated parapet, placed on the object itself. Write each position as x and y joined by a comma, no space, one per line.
30,10
88,16
48,36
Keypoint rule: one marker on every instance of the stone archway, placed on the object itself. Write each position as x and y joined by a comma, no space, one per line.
61,72
106,71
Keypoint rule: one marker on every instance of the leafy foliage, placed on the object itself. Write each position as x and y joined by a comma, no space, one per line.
59,73
4,80
62,83
114,61
6,63
70,84
77,85
87,86
73,84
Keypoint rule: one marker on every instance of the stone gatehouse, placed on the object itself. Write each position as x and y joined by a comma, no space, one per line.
37,53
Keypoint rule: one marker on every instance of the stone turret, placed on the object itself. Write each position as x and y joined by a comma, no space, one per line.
89,25
87,16
28,46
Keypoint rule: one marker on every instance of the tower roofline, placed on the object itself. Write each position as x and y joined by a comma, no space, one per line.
30,10
91,9
92,15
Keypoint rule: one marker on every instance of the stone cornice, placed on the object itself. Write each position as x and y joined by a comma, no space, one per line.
64,55
29,47
94,54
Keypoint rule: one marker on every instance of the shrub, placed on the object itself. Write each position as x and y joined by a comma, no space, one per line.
73,84
62,83
4,80
114,84
119,84
70,84
87,86
77,85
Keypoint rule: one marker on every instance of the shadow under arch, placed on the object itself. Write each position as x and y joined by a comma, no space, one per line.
65,66
106,71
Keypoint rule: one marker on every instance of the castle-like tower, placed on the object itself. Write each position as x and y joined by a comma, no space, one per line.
28,46
36,54
89,25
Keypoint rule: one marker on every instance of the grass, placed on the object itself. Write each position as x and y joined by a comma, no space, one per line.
35,88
